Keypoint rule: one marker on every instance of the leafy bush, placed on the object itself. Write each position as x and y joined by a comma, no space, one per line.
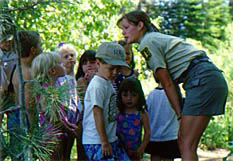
219,133
216,135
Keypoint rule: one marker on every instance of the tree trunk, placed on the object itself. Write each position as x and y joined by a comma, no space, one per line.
22,104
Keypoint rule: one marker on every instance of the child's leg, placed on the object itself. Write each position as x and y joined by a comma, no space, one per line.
68,142
63,149
119,151
81,156
80,151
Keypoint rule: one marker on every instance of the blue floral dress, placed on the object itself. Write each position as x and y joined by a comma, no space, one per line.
129,131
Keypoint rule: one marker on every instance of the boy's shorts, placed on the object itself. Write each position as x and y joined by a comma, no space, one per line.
165,149
94,152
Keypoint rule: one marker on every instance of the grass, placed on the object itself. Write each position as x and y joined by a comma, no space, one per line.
74,152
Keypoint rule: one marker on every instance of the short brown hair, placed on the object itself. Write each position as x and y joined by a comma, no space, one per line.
28,39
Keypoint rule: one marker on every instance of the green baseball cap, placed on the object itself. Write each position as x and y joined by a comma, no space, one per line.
112,53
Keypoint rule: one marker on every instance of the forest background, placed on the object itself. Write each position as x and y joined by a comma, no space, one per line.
208,24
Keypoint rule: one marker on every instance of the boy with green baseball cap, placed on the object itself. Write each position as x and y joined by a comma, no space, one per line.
100,111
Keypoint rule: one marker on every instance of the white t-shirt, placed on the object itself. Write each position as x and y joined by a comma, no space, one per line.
101,93
163,122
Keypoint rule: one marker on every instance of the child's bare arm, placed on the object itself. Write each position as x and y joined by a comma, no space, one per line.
99,122
146,138
82,87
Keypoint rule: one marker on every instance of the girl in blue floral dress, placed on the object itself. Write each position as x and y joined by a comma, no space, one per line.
132,118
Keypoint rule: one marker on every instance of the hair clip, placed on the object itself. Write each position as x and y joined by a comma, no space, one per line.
61,44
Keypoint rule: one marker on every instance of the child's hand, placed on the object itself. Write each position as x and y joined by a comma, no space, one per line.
82,86
82,82
107,149
89,75
70,126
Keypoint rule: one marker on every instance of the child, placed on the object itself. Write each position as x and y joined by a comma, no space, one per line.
86,70
100,112
132,118
46,69
68,54
125,72
129,56
164,127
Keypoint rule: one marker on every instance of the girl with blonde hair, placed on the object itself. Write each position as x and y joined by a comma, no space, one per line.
47,68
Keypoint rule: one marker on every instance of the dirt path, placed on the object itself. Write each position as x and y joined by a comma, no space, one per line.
216,155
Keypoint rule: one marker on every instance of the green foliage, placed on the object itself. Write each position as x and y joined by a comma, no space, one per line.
6,25
215,136
219,132
87,23
197,19
40,140
82,23
50,99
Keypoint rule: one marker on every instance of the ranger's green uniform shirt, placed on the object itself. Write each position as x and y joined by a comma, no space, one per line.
165,51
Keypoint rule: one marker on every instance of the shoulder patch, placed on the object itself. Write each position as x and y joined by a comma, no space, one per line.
146,53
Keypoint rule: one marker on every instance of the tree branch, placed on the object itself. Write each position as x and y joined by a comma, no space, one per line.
30,7
25,8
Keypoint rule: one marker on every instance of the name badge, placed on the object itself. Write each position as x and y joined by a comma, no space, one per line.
146,53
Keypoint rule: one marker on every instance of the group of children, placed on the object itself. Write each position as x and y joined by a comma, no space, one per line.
107,110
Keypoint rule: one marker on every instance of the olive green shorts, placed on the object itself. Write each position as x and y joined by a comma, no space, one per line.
206,89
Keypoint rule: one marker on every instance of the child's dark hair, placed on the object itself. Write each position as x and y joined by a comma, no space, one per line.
123,43
88,55
133,85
